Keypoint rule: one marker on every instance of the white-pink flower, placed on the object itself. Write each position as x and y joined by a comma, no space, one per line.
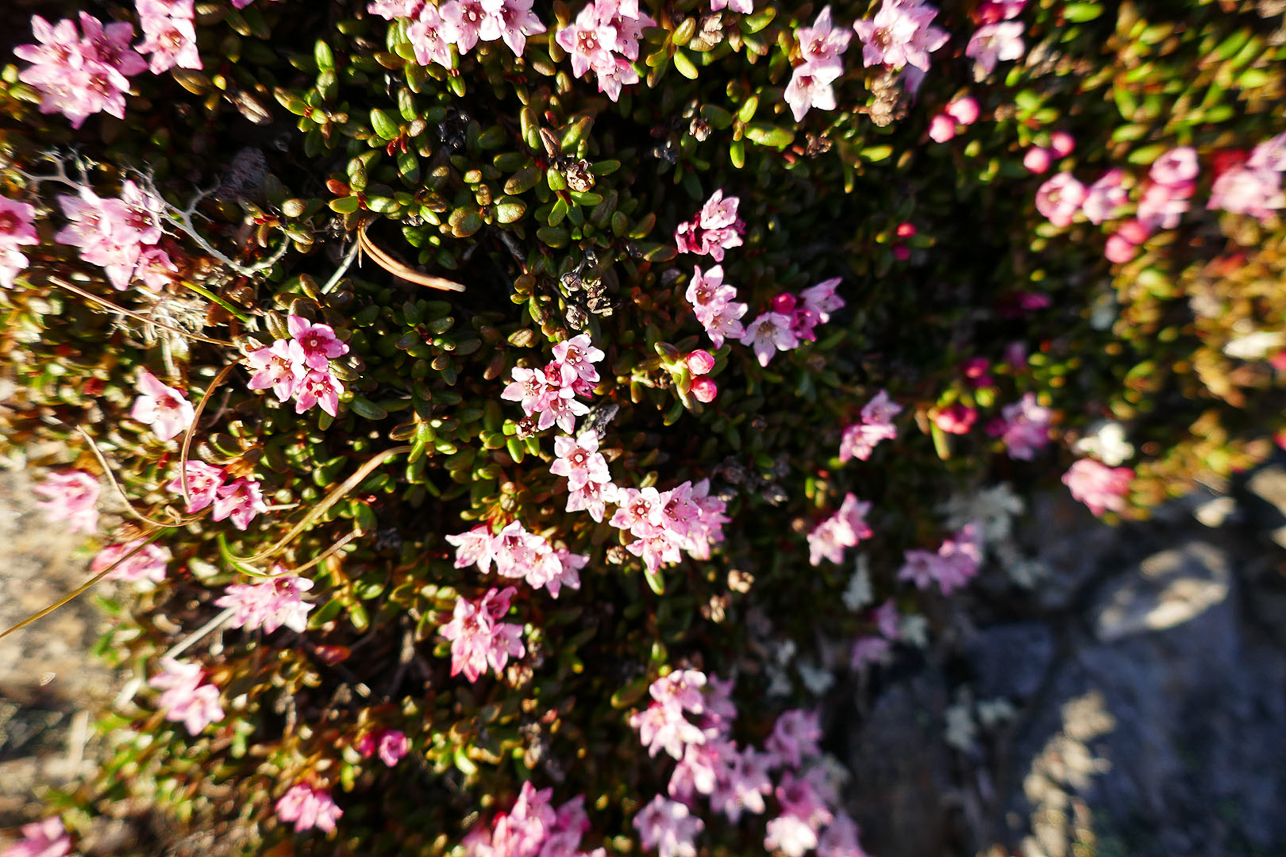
308,807
240,501
46,838
148,563
70,497
844,529
579,460
163,408
769,333
269,604
186,700
1059,198
669,827
479,639
992,43
203,481
1098,486
900,34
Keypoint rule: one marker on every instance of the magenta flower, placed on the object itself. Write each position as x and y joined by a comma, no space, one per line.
308,807
428,39
1120,249
269,604
669,827
71,497
1098,486
148,564
240,500
1026,427
511,20
186,700
17,223
955,419
900,34
1037,159
964,110
314,345
992,43
274,368
393,746
704,389
580,461
80,76
479,639
716,228
794,738
462,22
46,838
164,408
203,481
318,388
1059,198
588,42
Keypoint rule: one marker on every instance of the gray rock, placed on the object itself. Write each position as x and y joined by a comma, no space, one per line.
1169,588
1010,660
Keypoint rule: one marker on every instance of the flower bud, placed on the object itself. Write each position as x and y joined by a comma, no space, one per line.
957,419
1120,249
700,362
784,303
1037,160
963,110
704,389
942,128
1062,143
906,230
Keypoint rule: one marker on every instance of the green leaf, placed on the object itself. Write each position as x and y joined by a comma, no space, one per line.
364,407
385,127
769,135
323,56
523,180
1079,13
345,205
683,65
510,209
553,236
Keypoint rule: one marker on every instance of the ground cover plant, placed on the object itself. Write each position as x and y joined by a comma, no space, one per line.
513,422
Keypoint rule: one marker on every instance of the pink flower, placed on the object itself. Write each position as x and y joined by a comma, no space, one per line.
942,128
742,783
669,827
393,746
1026,427
274,367
580,461
186,700
1269,155
844,529
392,9
1062,143
462,22
955,419
769,333
1120,249
155,269
821,299
964,110
314,345
71,497
840,838
745,7
704,389
475,547
794,737
17,228
79,76
1176,168
859,439
1098,486
511,20
699,362
46,838
479,639
803,814
992,43
868,651
580,355
956,562
715,229
1104,197
171,41
427,36
593,498
1059,198
588,42
164,408
203,481
1247,190
240,500
1037,160
900,35
148,564
269,604
308,807
822,45
318,388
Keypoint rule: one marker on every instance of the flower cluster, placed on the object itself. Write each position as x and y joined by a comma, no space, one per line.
700,364
164,408
1098,486
604,38
714,229
550,393
1255,186
46,838
519,553
121,235
956,562
148,563
186,700
664,523
713,302
80,75
1172,182
479,639
1037,159
821,47
533,828
1023,427
844,529
588,479
876,424
170,36
998,38
17,228
269,604
900,34
239,500
390,744
71,497
1060,198
432,29
791,320
300,366
308,807
960,113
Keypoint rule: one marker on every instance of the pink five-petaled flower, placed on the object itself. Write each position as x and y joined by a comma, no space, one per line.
992,43
269,604
1098,486
1104,197
314,345
274,367
318,388
580,354
588,41
17,228
844,529
203,480
427,35
462,22
393,746
308,807
809,88
392,9
804,812
669,827
1059,198
46,838
186,700
170,38
79,76
1025,427
147,564
955,562
794,738
822,44
240,500
511,20
71,497
580,461
479,639
769,333
713,303
900,34
163,408
859,439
